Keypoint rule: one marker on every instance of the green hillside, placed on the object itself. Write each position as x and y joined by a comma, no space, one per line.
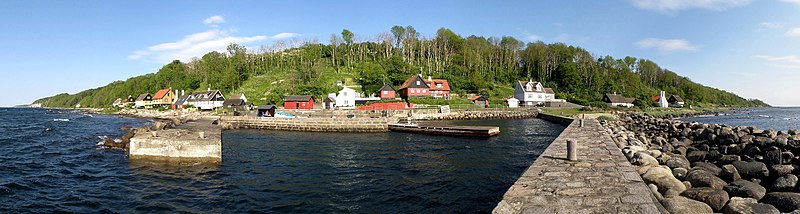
473,65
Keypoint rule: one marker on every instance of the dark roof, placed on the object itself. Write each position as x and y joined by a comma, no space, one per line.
297,98
478,98
386,87
413,79
523,83
329,99
548,91
181,100
267,107
130,99
143,97
675,98
233,102
202,96
617,98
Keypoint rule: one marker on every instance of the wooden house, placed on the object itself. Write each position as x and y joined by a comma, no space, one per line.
414,86
676,101
181,102
439,88
144,101
266,111
237,105
513,102
329,102
298,102
481,101
387,92
618,100
164,97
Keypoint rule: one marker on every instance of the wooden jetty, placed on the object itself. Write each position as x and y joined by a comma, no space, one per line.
476,131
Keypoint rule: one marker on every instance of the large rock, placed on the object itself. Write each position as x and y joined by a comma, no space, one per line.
737,205
644,159
729,173
781,170
677,161
662,177
784,201
745,188
713,169
702,178
695,156
784,183
715,198
752,169
680,204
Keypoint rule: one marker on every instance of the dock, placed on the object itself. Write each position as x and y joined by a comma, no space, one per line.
195,141
475,131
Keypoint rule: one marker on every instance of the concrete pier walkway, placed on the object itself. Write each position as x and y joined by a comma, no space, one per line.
601,181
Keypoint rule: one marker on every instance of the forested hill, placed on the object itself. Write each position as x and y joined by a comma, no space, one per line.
473,65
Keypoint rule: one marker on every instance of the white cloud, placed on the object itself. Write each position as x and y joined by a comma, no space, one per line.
792,1
284,35
794,32
790,61
769,25
533,37
670,6
213,20
666,45
198,44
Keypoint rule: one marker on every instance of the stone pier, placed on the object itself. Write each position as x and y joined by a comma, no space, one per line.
196,141
600,181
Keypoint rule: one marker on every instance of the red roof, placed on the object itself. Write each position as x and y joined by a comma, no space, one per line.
655,98
443,82
161,93
473,98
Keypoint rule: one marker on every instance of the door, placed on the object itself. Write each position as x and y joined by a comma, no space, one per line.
297,105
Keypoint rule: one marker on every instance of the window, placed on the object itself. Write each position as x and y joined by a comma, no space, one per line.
417,82
438,85
344,94
385,92
540,96
424,90
530,96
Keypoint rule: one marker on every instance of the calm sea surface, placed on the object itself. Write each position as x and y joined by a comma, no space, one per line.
49,164
780,119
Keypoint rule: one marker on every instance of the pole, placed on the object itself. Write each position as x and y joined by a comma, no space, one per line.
572,153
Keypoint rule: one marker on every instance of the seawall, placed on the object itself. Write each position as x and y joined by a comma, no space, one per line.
600,181
307,124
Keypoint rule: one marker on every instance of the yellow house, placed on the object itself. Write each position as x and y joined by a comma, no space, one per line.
164,97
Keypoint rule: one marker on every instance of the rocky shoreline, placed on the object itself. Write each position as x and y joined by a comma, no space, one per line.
693,167
163,120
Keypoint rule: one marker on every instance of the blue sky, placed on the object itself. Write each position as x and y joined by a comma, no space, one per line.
749,47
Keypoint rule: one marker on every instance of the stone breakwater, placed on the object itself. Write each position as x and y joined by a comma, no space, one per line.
479,115
306,124
701,168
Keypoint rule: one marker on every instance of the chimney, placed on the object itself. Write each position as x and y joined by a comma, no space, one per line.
420,75
209,89
183,92
615,93
430,79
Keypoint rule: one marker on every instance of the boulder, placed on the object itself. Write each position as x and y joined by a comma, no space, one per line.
751,169
702,178
781,169
662,177
680,204
715,198
709,167
695,156
643,159
772,156
677,161
784,183
745,188
729,173
679,173
784,201
728,159
737,205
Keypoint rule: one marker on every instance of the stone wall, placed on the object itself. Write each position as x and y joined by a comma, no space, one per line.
564,121
307,124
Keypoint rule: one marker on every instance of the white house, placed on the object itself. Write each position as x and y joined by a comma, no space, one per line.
513,102
617,100
662,100
349,97
206,100
531,93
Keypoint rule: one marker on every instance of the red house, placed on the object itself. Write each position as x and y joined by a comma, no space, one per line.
481,101
414,86
298,102
387,92
439,88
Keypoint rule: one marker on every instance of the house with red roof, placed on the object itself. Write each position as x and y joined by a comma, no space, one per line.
164,97
439,88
